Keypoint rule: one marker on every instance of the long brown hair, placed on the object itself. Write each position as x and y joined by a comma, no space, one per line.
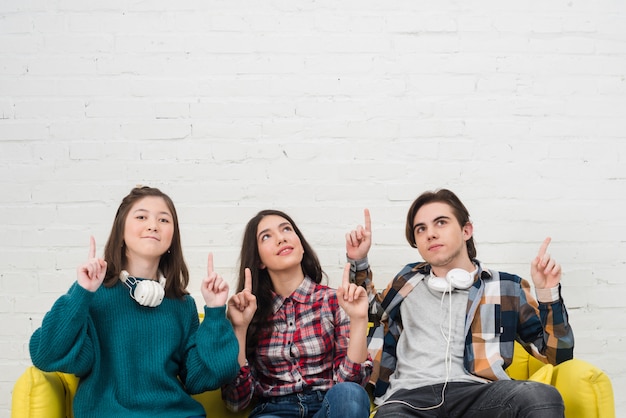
172,264
261,283
443,196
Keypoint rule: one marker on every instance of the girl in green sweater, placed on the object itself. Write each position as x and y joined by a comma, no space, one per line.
136,342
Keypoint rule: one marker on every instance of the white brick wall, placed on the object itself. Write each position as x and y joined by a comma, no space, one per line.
320,108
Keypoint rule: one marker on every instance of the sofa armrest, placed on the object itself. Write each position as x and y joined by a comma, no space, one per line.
39,394
586,390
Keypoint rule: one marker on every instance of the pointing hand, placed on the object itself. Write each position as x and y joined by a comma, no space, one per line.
359,240
91,274
544,270
242,305
352,298
214,289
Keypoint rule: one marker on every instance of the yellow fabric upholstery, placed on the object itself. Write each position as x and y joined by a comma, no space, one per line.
586,390
39,394
543,375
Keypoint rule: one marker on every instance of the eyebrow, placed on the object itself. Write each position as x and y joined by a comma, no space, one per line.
146,210
434,220
267,229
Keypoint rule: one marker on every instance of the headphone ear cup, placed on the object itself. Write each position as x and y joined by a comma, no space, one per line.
148,293
460,279
438,284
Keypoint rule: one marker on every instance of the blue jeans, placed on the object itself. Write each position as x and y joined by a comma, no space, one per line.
343,400
499,399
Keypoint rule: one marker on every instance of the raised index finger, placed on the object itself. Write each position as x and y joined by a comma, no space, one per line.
247,281
544,247
92,247
345,281
368,219
209,267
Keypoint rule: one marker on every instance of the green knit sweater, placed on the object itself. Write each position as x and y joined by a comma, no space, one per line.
135,361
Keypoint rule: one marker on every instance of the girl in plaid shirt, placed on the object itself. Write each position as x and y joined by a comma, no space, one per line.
302,345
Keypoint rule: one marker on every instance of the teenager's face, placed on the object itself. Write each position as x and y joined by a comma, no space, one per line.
148,229
278,244
440,240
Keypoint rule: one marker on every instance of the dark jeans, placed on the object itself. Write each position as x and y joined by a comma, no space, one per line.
499,399
343,400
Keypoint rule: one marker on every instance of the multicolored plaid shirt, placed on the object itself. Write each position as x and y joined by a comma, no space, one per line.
305,349
500,310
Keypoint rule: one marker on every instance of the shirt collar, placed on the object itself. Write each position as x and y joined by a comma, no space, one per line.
301,295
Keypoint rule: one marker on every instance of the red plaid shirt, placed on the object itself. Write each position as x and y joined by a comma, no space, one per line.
305,349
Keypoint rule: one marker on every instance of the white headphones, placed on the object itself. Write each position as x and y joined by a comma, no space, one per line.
455,279
146,292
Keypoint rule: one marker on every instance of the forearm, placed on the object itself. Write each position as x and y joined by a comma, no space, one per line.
212,359
548,328
241,334
558,336
357,345
352,360
63,342
238,393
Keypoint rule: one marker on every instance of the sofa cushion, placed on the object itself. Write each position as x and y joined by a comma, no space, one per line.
543,375
587,391
39,394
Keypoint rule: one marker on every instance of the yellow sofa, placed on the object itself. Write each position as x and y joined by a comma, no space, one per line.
586,390
39,394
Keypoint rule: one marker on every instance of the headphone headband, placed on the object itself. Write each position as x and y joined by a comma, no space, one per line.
455,279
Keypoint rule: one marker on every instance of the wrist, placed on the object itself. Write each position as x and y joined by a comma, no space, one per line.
243,361
240,330
548,294
358,321
359,269
358,264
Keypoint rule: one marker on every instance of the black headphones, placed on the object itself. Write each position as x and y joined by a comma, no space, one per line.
146,292
455,279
